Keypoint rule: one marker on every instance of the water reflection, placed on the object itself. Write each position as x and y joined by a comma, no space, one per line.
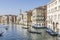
15,32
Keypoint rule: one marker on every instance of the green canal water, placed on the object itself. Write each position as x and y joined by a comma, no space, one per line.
16,32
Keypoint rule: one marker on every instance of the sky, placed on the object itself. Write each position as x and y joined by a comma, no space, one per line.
13,6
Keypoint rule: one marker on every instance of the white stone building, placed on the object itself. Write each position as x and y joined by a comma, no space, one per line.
53,15
25,19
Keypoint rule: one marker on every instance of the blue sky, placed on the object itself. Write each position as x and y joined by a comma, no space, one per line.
14,6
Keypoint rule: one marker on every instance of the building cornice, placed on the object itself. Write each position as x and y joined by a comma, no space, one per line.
51,2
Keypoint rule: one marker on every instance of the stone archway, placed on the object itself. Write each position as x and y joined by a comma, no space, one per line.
56,26
53,26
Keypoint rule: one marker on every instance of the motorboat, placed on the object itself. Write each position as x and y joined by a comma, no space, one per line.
38,27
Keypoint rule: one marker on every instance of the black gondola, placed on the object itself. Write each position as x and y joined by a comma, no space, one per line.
51,32
1,34
6,28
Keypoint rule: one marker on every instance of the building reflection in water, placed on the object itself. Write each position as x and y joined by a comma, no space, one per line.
15,32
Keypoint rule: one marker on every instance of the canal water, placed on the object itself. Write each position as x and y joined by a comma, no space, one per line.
16,32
